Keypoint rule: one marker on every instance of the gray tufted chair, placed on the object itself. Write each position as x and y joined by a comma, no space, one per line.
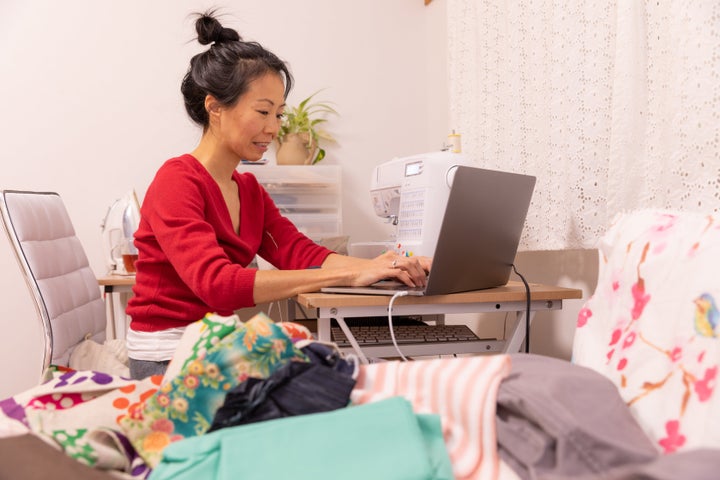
56,270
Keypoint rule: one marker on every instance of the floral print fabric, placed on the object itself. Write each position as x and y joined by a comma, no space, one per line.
77,411
220,359
651,325
121,425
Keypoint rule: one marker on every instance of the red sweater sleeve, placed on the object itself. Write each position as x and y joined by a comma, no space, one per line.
191,261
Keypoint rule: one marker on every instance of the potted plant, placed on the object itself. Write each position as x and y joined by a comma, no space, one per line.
299,135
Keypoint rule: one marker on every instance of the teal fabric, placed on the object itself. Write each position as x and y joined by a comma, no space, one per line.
431,427
384,440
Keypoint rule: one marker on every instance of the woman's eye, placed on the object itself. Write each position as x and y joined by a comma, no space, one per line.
263,112
280,116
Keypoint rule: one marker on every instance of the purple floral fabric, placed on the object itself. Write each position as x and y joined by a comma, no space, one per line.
77,411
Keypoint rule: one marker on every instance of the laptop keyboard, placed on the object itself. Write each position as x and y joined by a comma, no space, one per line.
368,335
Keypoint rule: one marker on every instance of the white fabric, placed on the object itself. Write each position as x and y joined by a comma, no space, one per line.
153,346
109,357
612,105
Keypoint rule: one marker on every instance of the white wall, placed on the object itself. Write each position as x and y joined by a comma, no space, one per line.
91,108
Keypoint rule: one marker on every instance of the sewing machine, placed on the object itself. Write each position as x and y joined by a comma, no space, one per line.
411,193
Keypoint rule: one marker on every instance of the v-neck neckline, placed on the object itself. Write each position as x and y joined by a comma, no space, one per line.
219,193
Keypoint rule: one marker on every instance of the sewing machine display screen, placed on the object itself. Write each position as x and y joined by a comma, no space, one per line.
414,168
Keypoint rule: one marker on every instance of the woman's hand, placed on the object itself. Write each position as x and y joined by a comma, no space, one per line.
340,270
411,271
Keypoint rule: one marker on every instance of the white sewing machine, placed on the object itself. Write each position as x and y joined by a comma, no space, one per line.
411,192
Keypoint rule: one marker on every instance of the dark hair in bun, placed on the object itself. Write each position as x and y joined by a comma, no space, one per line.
226,69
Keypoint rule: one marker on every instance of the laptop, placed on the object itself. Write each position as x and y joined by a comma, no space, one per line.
478,237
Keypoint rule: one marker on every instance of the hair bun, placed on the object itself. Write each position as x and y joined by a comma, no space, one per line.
209,30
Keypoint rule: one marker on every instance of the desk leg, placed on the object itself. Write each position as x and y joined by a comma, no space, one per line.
323,329
111,332
514,343
352,340
290,307
324,334
116,326
121,318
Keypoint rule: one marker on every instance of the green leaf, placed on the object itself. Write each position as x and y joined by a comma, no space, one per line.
320,156
305,118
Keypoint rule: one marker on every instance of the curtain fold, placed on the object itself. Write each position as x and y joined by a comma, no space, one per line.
614,106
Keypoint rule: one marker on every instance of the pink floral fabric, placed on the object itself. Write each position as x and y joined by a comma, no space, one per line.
651,325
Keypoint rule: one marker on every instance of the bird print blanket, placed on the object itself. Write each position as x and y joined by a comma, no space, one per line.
652,324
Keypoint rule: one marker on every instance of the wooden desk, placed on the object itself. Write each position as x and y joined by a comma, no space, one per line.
116,285
508,298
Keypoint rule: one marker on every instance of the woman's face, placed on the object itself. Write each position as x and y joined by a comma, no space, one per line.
247,128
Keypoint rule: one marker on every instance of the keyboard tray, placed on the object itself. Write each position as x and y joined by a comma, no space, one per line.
367,335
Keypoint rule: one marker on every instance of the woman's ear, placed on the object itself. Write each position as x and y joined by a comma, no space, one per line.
212,106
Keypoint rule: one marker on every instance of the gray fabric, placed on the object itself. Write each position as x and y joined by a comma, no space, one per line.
556,418
701,464
140,369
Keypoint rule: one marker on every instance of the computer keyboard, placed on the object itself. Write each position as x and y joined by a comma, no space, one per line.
372,335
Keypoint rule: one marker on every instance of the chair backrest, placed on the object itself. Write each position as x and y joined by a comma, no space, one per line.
57,272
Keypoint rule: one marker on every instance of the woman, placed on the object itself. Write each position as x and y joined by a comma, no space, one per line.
203,222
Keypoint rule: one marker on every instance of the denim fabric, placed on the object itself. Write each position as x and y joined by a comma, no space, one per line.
328,356
140,369
294,389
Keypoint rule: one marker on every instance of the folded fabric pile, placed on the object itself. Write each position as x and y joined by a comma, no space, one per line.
225,353
265,398
122,425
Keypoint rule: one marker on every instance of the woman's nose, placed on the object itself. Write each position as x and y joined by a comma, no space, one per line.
273,127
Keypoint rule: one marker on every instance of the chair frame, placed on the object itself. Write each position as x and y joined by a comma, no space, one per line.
27,272
57,272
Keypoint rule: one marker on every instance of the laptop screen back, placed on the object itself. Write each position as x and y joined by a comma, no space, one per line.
478,238
481,230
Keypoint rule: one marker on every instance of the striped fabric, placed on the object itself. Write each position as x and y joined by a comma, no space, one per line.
463,391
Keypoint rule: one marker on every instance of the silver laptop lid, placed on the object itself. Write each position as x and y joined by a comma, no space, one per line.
478,238
481,230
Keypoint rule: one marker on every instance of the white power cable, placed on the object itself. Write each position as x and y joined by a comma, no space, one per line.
390,325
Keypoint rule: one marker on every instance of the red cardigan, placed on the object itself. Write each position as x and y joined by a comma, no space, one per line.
191,262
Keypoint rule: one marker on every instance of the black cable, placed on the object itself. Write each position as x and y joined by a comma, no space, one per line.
527,309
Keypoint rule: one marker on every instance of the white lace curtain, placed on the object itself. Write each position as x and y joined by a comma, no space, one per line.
614,106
